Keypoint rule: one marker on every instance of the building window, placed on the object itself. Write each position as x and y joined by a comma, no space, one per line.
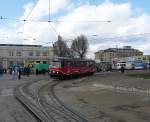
30,53
11,63
37,61
18,54
45,54
37,53
11,53
20,63
44,62
144,58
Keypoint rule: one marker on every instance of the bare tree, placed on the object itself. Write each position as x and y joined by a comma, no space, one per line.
60,48
80,46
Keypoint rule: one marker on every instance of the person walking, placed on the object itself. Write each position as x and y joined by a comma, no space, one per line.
19,74
14,77
122,69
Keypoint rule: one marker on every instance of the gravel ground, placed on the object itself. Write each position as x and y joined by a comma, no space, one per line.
106,104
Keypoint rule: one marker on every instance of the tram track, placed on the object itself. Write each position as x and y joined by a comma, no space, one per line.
54,104
44,110
69,112
19,94
51,107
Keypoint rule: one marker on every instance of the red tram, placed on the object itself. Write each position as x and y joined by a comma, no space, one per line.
63,67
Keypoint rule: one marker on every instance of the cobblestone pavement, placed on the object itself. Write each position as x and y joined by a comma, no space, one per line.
10,109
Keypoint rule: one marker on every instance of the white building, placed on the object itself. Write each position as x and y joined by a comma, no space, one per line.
15,54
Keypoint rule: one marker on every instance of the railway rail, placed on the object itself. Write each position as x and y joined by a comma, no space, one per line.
19,93
51,108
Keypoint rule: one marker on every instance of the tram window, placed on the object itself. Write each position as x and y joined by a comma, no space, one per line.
73,63
81,63
90,63
56,64
87,63
76,63
67,64
84,63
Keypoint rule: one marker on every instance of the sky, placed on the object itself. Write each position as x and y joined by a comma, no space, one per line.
105,23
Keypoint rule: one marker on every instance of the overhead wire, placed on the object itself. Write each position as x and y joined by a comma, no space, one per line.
32,9
49,10
53,29
126,36
82,21
26,18
70,21
49,19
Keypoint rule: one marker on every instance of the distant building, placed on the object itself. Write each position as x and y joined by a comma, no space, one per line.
145,58
116,53
15,54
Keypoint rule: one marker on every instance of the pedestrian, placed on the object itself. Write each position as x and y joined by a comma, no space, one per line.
19,74
37,72
10,71
28,71
25,70
1,72
14,75
122,69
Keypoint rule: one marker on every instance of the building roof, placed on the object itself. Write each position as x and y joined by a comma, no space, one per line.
118,49
19,45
